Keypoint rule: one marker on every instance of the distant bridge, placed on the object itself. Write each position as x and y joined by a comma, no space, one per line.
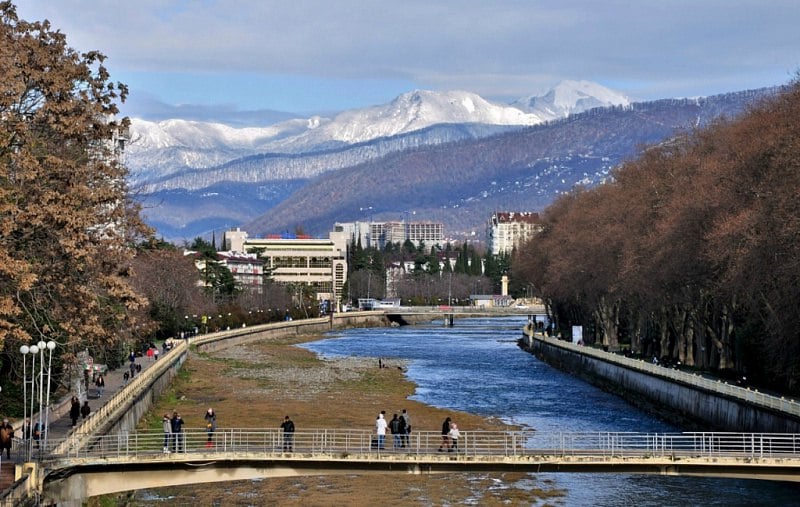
450,313
125,461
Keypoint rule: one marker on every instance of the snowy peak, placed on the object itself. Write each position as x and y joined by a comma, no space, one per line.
571,97
420,109
160,149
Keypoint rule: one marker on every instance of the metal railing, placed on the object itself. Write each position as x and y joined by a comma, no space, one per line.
487,445
754,397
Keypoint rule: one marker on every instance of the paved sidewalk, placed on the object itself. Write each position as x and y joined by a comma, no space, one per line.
62,426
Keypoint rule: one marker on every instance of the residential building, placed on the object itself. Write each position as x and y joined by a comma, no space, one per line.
508,230
379,234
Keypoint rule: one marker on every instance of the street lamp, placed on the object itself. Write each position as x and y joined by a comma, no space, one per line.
51,345
34,349
24,351
38,348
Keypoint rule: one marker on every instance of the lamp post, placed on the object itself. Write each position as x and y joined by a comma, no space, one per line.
34,349
39,349
24,351
51,345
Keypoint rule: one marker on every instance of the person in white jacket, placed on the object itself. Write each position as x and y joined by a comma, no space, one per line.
380,429
454,434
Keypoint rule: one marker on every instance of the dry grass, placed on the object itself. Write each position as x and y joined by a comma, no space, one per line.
256,385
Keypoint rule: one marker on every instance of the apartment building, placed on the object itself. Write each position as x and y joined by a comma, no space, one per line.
379,234
507,230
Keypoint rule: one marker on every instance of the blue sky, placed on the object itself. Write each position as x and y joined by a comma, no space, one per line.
258,61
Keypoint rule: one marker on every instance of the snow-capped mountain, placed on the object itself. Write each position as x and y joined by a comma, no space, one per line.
160,149
571,97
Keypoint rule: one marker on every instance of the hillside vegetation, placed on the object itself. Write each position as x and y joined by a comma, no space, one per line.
691,254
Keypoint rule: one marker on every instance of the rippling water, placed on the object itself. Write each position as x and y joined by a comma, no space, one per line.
477,367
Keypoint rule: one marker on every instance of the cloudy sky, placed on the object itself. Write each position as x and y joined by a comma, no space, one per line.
247,60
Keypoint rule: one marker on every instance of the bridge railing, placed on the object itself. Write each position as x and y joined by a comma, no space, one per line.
336,443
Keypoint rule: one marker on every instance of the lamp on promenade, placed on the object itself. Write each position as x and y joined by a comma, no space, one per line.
51,345
39,349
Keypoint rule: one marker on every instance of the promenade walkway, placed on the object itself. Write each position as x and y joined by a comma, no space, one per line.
60,424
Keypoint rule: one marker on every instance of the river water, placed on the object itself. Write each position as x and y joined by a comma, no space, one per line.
477,367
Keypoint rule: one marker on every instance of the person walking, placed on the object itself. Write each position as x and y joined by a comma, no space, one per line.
211,425
380,430
394,427
406,423
74,410
177,431
86,409
166,425
445,435
454,434
288,434
6,437
100,383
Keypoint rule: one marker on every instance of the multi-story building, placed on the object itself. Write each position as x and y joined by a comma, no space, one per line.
247,269
318,263
379,234
510,229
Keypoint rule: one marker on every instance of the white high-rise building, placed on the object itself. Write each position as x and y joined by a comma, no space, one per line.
510,229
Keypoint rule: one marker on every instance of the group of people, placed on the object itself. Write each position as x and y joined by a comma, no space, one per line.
173,432
399,426
450,434
77,410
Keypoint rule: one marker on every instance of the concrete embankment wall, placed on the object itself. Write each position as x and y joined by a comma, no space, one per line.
688,400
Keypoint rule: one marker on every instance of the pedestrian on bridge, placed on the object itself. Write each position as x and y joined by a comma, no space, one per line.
211,425
166,424
406,423
177,431
395,427
288,434
453,434
445,435
380,429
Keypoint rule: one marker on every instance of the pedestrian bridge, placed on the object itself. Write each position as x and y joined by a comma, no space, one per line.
121,462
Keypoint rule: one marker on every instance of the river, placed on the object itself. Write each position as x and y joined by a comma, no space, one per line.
477,367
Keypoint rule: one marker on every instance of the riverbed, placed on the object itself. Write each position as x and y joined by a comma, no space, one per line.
477,367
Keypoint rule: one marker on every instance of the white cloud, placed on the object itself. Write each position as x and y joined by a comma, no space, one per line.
506,48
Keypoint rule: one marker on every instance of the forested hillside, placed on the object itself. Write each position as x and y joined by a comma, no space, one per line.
691,254
461,183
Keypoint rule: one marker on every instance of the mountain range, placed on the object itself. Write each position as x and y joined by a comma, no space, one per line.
445,156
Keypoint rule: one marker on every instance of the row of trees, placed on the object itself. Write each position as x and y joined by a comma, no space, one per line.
691,254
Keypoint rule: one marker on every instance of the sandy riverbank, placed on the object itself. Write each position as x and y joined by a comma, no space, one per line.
256,385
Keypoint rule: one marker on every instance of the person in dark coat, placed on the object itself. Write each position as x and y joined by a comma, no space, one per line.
86,409
288,434
177,431
6,436
445,445
74,410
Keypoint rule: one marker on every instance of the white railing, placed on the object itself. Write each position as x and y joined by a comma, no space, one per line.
487,445
754,397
